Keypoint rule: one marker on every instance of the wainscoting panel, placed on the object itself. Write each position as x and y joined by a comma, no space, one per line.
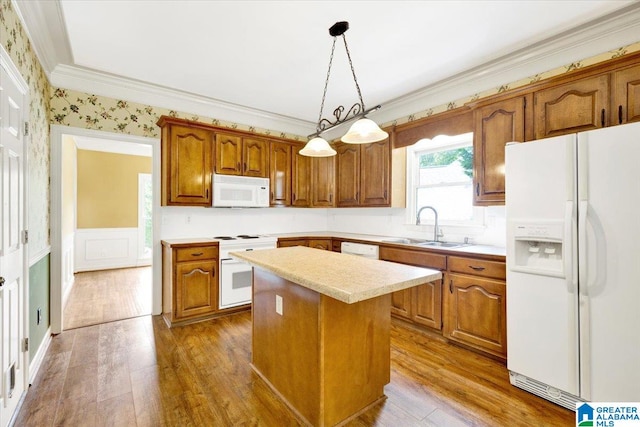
106,248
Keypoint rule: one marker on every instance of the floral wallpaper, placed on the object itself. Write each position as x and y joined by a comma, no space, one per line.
634,47
14,40
78,109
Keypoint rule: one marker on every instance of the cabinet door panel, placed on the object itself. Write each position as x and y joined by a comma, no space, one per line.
228,154
324,244
280,173
190,166
301,180
255,157
496,124
348,175
427,304
374,173
196,288
626,98
401,303
573,107
322,170
476,313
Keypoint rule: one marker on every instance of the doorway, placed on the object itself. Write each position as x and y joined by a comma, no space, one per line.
97,247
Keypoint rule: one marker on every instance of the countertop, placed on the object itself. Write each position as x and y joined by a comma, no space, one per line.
347,278
364,238
372,238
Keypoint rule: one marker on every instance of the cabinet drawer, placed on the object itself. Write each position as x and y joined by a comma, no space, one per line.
477,267
196,253
419,258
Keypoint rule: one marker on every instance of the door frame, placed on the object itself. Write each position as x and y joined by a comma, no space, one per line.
56,136
23,87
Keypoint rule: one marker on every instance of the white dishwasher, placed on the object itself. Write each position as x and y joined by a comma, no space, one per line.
359,249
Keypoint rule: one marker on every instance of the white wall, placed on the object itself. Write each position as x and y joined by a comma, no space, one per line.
179,222
182,222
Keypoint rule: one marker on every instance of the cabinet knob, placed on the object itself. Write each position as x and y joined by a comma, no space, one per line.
450,286
198,254
476,268
602,117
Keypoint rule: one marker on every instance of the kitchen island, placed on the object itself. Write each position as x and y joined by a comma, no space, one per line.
321,327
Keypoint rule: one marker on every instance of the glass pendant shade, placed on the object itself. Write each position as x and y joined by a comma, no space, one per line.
317,147
364,131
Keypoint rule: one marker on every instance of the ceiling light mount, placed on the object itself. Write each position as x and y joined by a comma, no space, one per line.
364,130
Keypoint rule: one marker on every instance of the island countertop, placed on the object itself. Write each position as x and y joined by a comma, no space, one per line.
346,278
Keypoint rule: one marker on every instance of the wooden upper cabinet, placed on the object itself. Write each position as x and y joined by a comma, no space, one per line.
300,179
228,154
236,155
347,175
363,174
576,106
625,106
187,164
322,181
495,125
280,173
255,156
375,173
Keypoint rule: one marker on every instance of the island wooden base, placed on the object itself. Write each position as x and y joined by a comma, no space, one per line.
327,360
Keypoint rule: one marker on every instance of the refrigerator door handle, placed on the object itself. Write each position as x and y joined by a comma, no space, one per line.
570,248
584,331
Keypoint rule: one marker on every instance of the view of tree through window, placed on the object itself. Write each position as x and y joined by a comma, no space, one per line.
443,180
464,156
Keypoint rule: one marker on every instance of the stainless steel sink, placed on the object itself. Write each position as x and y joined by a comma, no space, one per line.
403,240
441,244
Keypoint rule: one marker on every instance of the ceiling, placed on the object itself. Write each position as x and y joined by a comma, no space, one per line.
271,57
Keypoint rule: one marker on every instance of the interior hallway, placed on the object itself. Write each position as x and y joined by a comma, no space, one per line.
107,295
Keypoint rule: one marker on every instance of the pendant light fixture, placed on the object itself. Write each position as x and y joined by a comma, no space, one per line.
363,131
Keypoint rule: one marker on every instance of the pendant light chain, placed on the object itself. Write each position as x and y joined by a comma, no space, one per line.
326,84
352,70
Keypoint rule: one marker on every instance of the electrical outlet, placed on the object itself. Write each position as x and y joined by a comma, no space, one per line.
279,305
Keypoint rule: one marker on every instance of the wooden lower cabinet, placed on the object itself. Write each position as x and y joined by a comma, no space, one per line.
422,304
196,288
468,305
190,282
324,244
475,306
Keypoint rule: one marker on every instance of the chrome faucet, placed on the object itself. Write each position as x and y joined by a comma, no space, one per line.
436,234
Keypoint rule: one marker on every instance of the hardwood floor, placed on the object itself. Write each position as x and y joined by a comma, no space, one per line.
108,295
138,372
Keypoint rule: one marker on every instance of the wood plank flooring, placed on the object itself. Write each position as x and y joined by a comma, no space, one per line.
138,372
108,295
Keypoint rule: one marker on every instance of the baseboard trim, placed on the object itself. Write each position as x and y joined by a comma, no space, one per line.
35,364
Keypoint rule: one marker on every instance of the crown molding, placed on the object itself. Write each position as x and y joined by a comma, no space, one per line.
608,33
44,24
98,83
43,21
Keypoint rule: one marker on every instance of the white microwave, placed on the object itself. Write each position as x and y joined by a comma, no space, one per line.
230,191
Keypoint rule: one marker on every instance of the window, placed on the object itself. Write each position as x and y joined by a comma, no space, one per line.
440,174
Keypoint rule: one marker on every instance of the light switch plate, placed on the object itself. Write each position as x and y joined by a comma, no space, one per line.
279,305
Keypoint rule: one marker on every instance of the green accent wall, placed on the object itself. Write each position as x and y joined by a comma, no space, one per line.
39,276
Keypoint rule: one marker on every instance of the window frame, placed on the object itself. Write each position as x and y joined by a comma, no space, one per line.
424,146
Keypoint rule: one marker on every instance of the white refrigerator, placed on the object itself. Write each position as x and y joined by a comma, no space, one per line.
573,266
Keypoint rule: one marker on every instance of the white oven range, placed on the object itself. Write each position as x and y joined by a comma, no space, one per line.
235,275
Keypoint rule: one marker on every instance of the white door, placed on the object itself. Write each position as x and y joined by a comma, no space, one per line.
542,312
12,285
609,236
